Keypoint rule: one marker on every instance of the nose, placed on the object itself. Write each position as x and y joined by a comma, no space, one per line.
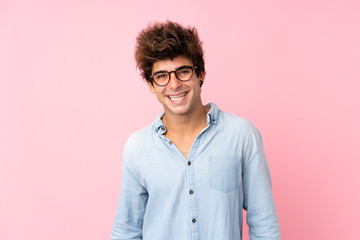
174,83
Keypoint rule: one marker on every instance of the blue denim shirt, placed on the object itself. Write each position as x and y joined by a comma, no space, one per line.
165,196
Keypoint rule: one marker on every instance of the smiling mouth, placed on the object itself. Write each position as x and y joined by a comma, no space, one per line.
177,97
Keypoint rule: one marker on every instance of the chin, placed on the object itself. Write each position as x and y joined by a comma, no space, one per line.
178,110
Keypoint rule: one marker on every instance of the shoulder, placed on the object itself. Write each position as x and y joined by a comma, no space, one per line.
244,134
237,124
136,149
138,139
229,122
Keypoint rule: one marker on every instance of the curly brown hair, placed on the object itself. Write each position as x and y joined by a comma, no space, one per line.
163,41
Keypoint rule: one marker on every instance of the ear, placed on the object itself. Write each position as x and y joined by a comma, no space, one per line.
151,87
201,82
202,77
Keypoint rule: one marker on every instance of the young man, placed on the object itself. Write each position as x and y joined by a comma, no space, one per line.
190,173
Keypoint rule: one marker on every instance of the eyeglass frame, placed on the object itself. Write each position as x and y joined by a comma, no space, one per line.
179,68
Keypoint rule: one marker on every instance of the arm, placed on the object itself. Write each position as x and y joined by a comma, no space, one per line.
261,214
131,207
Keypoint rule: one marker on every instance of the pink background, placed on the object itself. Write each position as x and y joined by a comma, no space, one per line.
70,95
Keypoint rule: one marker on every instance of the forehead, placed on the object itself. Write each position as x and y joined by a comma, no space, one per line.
170,65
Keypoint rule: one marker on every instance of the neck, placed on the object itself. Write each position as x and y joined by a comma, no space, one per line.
185,124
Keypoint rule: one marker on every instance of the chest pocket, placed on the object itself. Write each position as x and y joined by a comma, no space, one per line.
224,173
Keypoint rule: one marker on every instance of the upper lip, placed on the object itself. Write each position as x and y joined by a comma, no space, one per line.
177,94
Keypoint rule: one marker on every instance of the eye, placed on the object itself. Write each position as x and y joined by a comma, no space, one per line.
160,76
184,71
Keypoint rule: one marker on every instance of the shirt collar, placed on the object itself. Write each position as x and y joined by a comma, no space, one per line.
159,125
211,118
213,114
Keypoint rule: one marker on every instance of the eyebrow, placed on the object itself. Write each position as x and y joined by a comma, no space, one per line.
164,71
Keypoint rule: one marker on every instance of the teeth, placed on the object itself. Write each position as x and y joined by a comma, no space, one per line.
177,97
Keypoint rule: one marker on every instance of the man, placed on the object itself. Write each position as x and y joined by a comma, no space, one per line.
190,173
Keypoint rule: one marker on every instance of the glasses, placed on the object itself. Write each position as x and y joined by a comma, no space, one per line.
183,73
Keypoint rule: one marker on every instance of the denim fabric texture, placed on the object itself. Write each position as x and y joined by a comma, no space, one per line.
165,196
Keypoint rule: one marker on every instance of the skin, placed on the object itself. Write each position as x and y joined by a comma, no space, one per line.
185,116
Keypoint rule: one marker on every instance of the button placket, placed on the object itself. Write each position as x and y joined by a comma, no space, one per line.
193,201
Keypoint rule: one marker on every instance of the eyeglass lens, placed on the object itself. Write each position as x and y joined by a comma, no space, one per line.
183,73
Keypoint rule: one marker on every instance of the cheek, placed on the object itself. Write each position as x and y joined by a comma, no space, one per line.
159,94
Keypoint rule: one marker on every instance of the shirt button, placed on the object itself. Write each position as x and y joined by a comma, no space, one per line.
162,128
189,163
194,220
170,142
213,120
191,191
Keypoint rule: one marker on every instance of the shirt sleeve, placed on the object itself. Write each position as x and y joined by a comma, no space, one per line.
131,206
261,215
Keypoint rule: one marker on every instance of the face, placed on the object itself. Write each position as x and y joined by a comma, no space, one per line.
177,97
